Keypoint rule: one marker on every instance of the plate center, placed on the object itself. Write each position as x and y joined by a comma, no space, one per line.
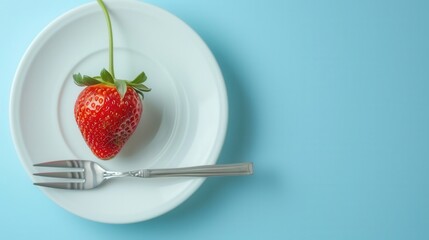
161,107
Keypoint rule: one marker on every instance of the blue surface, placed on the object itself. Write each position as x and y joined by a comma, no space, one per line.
329,99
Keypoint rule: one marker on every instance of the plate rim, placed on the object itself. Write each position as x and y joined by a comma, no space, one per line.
51,28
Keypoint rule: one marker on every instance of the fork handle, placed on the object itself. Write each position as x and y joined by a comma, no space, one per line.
198,171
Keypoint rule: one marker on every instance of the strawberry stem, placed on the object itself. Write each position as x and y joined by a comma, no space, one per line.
109,26
108,77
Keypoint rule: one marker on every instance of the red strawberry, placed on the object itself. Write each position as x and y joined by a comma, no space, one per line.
108,110
106,121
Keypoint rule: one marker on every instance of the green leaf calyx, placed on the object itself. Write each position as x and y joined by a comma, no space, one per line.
107,79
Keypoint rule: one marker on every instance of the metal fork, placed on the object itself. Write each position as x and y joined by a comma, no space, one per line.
87,174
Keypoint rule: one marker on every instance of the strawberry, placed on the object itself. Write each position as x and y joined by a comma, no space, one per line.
108,110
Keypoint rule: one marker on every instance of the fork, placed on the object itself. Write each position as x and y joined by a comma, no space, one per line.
88,175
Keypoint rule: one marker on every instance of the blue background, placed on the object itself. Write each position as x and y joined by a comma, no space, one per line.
329,99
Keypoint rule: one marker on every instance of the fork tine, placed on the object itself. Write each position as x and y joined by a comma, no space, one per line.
61,164
73,175
63,185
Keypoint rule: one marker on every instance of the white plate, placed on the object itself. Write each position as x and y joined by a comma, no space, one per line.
184,120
